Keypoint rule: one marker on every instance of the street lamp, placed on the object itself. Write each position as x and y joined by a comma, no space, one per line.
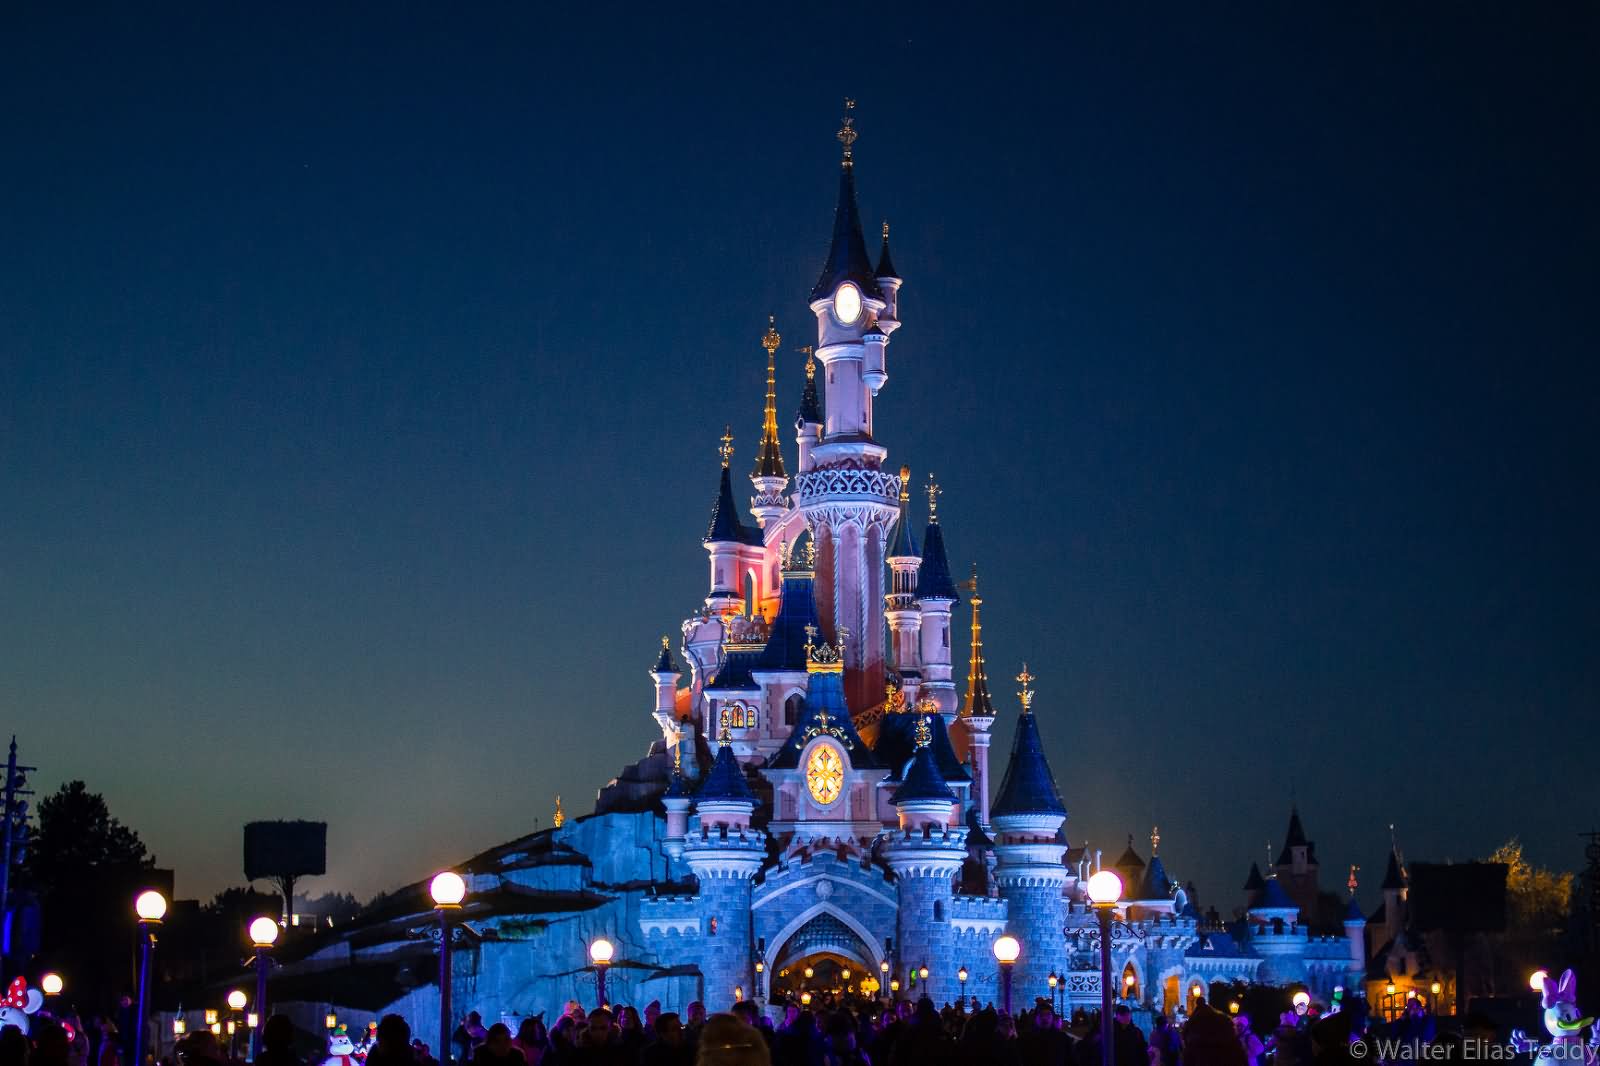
237,1000
600,953
150,907
810,973
922,973
1053,981
1105,889
1007,949
51,984
330,1021
1537,978
961,975
263,934
448,890
179,1027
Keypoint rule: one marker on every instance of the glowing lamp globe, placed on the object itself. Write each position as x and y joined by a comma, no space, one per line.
1007,949
805,998
1105,888
236,1000
760,966
923,973
447,889
1233,1007
810,973
151,906
264,932
844,974
1436,988
883,967
961,975
1537,978
1301,1001
331,1022
51,984
1389,988
179,1027
1196,991
601,951
1052,980
894,984
211,1017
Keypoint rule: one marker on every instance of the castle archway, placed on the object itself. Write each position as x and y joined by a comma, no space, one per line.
825,954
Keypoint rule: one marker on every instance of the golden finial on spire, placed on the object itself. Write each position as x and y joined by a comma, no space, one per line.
771,339
1026,680
894,699
847,133
885,229
811,360
1155,839
977,701
924,734
1351,884
666,643
560,816
769,455
905,484
934,492
726,451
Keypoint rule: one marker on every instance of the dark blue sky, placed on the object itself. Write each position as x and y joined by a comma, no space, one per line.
361,374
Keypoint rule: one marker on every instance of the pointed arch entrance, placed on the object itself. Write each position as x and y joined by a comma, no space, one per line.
823,950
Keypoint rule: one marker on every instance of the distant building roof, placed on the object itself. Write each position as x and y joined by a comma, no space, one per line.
1296,837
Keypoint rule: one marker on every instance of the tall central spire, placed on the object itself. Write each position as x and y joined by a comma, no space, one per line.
769,457
978,703
847,255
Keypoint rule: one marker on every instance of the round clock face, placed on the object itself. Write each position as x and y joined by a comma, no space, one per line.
824,774
847,303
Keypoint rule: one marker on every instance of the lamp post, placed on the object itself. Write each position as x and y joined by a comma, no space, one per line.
883,981
236,1005
1105,889
151,907
600,953
1006,950
448,890
1054,981
961,976
263,934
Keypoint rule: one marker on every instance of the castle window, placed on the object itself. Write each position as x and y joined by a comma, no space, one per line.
713,927
938,910
791,709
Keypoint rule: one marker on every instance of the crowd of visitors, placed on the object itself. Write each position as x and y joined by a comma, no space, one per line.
825,1032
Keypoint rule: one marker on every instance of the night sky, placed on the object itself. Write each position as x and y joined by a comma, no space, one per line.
361,376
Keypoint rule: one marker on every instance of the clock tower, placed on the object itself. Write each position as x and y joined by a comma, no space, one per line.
849,500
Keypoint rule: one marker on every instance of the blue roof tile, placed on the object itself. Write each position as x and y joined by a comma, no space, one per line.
1028,787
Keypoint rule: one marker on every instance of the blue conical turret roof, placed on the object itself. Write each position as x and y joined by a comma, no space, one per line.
725,526
1157,885
847,254
934,581
896,743
810,404
904,544
797,609
1273,897
922,781
1394,874
726,781
824,712
664,663
1254,882
1352,912
1028,786
885,264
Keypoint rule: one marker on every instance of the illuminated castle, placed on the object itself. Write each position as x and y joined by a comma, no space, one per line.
818,810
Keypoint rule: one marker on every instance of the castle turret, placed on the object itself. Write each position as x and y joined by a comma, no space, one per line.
977,711
926,854
1277,935
905,620
889,286
849,500
1355,934
769,476
1296,867
677,800
936,597
808,420
724,855
1028,816
1395,889
665,674
725,538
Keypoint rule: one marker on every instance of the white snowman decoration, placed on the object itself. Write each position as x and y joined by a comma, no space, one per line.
341,1049
19,1005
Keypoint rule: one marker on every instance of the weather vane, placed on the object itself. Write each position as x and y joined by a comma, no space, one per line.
1026,680
934,492
924,733
811,362
1155,839
847,133
726,451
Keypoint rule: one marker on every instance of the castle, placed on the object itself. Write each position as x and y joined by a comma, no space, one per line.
818,810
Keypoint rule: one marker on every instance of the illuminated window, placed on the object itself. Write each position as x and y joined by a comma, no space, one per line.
824,774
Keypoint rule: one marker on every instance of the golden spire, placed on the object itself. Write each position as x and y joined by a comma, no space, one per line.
1026,680
726,451
894,699
769,456
885,229
978,702
1155,839
560,816
905,486
811,360
847,133
924,734
934,492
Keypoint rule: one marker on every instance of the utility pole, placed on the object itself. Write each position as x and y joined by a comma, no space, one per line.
14,828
